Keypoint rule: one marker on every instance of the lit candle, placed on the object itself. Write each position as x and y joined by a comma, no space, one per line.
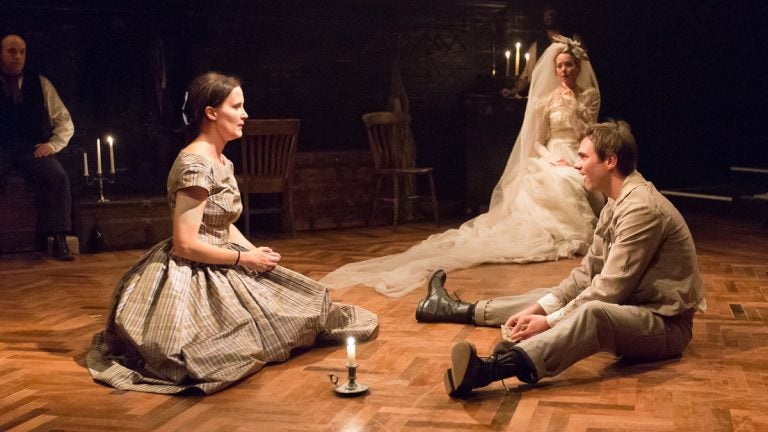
493,58
98,156
85,164
517,58
351,351
111,154
507,53
527,57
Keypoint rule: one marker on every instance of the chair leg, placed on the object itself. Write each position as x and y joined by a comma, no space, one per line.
375,200
395,200
288,209
246,214
434,200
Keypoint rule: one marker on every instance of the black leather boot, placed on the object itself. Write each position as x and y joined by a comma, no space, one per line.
438,306
468,371
60,248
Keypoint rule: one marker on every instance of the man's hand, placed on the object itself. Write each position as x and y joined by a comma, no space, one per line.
43,150
508,92
528,322
528,326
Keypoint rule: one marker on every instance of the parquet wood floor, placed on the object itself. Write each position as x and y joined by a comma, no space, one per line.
50,310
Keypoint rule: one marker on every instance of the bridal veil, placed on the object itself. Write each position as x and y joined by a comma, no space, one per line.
512,231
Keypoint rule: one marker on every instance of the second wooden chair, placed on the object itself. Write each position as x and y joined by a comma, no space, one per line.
387,137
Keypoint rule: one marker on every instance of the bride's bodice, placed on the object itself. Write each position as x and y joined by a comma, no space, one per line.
567,117
561,124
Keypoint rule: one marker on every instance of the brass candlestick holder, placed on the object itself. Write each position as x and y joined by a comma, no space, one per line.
101,178
351,388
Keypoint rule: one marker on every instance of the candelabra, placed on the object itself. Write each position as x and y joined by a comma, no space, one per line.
351,388
100,178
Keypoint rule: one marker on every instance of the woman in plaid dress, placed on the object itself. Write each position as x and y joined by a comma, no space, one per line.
206,308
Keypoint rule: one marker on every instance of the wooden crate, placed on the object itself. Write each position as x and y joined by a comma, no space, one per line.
124,223
18,216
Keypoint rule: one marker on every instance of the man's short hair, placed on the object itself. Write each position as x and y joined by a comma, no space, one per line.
615,137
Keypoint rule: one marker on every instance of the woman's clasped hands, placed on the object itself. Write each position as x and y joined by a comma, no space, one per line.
262,259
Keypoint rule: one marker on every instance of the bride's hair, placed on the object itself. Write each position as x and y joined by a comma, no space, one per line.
570,52
572,47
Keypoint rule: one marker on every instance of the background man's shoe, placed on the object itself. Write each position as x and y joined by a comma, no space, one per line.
60,248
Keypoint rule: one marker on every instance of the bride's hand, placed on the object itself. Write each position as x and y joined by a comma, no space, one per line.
564,89
559,162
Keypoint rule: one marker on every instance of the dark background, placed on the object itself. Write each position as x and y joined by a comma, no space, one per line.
689,76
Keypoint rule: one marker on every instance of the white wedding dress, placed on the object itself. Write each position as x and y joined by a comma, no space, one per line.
538,211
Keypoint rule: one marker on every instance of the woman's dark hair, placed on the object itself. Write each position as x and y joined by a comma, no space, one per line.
207,90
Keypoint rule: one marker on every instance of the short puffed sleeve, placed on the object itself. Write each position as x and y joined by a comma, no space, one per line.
193,170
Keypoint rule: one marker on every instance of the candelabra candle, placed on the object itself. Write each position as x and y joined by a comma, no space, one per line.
493,59
98,155
111,155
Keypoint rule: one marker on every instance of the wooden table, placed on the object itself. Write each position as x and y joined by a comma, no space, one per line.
493,123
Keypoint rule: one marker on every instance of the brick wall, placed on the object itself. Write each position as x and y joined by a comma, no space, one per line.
333,189
122,71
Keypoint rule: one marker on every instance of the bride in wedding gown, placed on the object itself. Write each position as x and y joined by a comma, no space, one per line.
539,210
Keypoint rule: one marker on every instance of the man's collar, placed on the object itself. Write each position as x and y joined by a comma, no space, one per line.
632,181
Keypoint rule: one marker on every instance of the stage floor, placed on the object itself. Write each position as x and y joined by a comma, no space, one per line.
50,310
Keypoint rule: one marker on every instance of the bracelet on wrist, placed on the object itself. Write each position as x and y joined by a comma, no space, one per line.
237,261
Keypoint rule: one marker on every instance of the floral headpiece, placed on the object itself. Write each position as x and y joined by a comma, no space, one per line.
572,46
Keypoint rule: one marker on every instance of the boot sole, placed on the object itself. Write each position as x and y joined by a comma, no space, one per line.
455,381
448,382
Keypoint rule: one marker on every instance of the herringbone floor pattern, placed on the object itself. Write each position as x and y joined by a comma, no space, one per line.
49,311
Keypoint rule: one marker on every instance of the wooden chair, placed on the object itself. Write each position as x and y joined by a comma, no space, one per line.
268,150
388,134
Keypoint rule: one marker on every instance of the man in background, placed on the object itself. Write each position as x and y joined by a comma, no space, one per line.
34,126
552,27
